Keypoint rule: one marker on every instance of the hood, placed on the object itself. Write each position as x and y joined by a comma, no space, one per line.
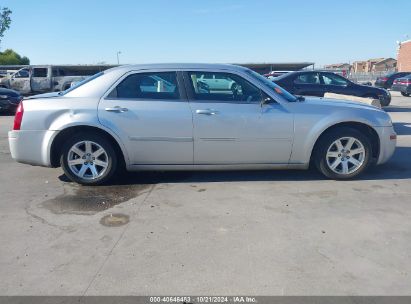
339,103
45,95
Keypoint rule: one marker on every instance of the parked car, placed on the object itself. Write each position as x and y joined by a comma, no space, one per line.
9,100
217,82
387,81
317,83
113,120
403,85
37,79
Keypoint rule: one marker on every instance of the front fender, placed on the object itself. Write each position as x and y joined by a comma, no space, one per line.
309,129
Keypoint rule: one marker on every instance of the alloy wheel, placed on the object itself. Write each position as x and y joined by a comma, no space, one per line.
87,160
345,155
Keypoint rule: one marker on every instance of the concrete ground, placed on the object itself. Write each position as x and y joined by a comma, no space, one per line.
209,233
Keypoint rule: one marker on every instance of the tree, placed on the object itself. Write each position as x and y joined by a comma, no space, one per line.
5,21
10,57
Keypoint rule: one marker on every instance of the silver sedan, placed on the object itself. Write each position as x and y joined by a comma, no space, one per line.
168,117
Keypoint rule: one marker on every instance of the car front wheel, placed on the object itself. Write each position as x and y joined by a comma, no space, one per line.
88,159
343,154
405,94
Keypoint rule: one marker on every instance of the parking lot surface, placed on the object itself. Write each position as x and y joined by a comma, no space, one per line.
209,233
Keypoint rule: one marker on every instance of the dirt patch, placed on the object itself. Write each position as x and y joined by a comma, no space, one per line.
115,220
90,200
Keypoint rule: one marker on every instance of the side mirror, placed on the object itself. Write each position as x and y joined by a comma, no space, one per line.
266,100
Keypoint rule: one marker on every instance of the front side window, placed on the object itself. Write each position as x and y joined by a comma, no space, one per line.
308,78
332,79
22,74
157,85
223,87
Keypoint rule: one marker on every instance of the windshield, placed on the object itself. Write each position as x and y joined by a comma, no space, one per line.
276,88
79,84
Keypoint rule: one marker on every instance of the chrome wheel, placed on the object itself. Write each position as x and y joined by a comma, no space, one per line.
87,160
345,155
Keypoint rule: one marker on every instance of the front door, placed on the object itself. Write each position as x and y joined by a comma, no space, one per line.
147,111
308,84
336,84
232,127
20,81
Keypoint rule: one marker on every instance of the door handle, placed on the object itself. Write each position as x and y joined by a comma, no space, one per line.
206,112
116,109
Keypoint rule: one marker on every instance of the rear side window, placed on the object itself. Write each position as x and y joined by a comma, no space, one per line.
156,85
309,78
40,72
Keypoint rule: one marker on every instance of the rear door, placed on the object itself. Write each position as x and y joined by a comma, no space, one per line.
308,84
150,113
41,79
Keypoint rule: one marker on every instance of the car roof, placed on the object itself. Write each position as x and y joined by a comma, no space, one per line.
178,66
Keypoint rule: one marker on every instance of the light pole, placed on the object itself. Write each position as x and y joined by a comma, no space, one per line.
118,57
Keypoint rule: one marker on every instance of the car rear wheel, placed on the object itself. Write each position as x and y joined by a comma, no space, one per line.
405,94
88,159
343,154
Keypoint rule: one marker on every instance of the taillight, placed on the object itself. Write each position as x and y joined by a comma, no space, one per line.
383,78
407,82
18,117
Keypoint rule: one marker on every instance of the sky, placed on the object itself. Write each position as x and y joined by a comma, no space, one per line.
219,31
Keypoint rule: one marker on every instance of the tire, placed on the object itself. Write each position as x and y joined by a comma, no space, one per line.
327,154
93,159
405,94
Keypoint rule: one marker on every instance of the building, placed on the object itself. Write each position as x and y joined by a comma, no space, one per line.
404,56
374,65
338,66
385,65
359,66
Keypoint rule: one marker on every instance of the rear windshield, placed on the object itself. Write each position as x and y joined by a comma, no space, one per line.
79,84
276,88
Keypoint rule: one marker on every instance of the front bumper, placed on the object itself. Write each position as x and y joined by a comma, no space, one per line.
8,106
388,142
385,98
31,146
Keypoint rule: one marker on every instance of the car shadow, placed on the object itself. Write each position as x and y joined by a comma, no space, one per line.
397,109
402,128
398,167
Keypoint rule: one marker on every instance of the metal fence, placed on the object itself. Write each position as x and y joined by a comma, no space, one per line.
367,77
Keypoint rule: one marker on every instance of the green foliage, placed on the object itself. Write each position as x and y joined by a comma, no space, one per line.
5,20
10,57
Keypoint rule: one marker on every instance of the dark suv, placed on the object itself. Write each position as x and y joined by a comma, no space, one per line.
387,80
317,83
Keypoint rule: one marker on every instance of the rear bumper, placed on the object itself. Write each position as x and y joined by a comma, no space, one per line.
387,143
31,147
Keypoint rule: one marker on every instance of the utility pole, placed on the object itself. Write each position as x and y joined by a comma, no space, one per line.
118,57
